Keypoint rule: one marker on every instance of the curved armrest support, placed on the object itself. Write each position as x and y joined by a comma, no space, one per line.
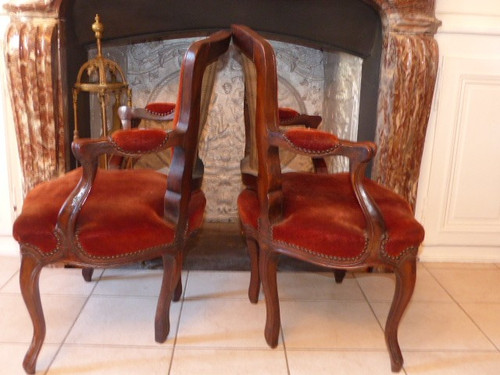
87,152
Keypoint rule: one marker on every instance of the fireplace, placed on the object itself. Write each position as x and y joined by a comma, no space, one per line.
48,41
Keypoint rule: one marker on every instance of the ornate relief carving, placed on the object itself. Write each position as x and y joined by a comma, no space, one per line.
152,71
341,100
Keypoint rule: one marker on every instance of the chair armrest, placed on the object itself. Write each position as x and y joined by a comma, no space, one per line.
87,152
140,141
316,143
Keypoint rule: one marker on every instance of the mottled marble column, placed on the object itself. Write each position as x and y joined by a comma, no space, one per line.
407,78
33,62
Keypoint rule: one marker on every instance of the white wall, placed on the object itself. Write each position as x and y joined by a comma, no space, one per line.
459,187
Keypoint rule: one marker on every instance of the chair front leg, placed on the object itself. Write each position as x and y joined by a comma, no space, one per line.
405,284
254,287
268,265
171,279
29,282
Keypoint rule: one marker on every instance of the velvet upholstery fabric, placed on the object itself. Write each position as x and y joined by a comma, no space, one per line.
165,108
311,140
160,108
139,140
119,217
321,215
285,113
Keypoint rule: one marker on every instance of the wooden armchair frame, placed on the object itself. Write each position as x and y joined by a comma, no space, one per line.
269,202
177,199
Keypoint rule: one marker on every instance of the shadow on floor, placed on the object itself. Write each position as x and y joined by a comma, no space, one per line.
221,247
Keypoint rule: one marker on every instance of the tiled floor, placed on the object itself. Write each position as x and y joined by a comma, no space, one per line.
452,325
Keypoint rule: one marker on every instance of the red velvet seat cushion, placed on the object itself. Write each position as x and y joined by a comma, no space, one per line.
321,215
123,213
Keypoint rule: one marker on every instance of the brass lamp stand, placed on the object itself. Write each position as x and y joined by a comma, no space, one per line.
103,77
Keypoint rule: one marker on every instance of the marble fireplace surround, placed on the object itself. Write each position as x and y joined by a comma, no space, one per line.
47,39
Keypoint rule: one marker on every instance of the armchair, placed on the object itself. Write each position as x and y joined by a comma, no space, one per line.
340,221
92,217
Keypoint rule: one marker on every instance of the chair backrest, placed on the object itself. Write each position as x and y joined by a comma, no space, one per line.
262,106
186,166
161,115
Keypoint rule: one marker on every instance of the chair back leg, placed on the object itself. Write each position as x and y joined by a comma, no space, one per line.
254,287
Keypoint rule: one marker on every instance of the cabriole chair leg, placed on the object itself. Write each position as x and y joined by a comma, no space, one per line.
171,276
29,280
268,267
405,284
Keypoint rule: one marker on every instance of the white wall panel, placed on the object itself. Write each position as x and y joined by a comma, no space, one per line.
459,191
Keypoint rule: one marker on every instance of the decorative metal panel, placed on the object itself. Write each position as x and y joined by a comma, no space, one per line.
309,80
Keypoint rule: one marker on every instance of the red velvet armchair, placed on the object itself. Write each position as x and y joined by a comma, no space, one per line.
340,221
92,217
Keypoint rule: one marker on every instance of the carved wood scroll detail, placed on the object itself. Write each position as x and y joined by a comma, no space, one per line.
408,74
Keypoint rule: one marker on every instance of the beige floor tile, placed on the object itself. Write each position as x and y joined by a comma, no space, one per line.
12,355
130,282
452,363
470,285
9,266
62,281
338,362
60,313
111,360
453,265
435,326
317,286
380,287
330,324
120,320
487,317
222,323
228,361
221,284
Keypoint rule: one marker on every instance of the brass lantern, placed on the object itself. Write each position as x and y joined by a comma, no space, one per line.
104,78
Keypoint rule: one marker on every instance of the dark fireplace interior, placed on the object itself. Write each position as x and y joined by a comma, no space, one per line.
339,25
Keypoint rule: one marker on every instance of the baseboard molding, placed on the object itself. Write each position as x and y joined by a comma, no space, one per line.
460,254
